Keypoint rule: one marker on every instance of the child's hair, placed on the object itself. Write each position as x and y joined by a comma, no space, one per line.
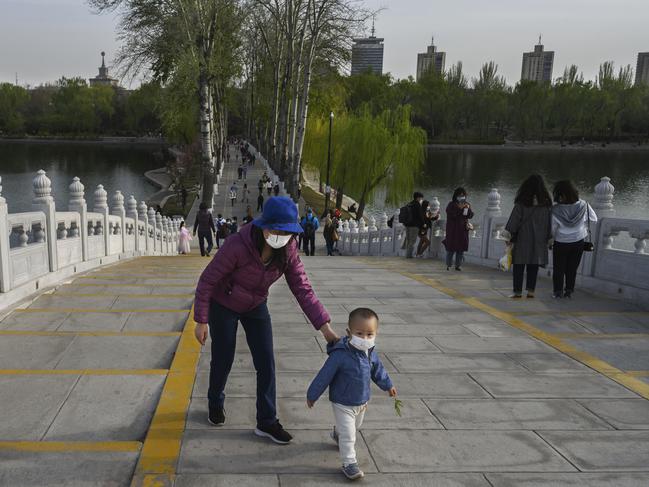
363,314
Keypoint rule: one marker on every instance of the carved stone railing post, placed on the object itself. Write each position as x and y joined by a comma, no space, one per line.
5,269
152,229
78,203
493,210
43,201
117,209
101,206
142,216
434,204
396,245
603,199
131,212
159,228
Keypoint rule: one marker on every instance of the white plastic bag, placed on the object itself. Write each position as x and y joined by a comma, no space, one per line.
505,262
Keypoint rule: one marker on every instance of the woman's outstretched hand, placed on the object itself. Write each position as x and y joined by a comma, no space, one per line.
328,333
201,332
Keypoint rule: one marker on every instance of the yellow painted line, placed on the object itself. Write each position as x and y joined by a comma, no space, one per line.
627,380
83,371
129,295
602,336
161,448
586,313
92,310
91,333
71,446
638,373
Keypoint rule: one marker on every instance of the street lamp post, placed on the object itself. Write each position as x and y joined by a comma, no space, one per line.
328,186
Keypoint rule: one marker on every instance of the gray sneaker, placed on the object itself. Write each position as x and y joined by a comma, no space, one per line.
334,435
352,472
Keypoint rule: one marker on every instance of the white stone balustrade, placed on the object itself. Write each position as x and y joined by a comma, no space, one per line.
43,246
610,268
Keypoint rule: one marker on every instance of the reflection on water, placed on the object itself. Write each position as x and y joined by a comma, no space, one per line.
480,170
116,167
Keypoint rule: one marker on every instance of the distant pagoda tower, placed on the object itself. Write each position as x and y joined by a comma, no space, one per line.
102,79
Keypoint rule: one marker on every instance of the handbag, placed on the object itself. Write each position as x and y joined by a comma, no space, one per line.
588,241
469,226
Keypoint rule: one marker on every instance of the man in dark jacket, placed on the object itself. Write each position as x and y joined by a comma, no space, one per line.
205,226
414,223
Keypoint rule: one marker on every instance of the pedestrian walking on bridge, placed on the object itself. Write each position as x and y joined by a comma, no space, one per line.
234,287
204,224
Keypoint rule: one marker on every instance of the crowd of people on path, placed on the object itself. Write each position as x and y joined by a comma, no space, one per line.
540,222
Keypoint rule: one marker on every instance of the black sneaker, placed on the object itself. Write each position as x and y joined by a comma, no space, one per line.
216,416
275,432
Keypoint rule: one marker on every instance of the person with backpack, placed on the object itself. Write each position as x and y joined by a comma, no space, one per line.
221,230
310,225
260,201
412,217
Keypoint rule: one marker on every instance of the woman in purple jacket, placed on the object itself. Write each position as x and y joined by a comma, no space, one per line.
234,287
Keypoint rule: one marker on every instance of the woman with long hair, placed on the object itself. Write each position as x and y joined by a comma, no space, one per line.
571,219
529,233
183,239
234,287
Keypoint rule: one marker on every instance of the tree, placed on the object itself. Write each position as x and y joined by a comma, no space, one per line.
13,100
197,38
489,97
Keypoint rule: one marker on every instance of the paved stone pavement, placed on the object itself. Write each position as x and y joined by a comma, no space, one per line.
102,383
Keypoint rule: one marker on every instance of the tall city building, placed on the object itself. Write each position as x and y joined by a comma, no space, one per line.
367,54
642,69
102,78
537,65
431,60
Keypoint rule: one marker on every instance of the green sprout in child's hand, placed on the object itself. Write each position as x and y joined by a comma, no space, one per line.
398,404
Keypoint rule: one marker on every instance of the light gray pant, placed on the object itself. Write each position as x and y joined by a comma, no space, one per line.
348,420
412,233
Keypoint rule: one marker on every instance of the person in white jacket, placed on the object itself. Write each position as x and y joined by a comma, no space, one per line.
571,221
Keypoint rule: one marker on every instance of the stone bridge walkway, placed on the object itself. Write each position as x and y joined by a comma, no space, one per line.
103,384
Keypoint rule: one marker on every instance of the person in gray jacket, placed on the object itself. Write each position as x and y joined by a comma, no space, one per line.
529,228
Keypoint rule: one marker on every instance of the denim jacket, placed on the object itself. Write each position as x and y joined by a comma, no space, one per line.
347,373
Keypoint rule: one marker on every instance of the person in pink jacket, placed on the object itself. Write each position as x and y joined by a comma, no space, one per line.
234,287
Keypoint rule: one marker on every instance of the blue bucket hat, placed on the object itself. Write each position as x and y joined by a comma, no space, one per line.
280,213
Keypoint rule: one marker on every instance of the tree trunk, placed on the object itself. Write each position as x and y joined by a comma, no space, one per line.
206,142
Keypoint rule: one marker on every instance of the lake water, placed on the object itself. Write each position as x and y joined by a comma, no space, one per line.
114,166
480,170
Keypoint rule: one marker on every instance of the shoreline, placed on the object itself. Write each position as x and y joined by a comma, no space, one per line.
127,141
547,147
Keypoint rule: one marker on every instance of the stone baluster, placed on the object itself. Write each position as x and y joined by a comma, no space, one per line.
43,201
131,212
152,228
353,226
640,244
158,226
101,206
5,269
384,221
117,209
396,228
603,198
493,203
373,227
434,204
493,210
142,217
78,203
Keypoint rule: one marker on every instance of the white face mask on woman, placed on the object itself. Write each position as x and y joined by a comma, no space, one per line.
278,241
363,344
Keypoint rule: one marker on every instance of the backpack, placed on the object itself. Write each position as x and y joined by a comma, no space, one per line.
405,215
309,227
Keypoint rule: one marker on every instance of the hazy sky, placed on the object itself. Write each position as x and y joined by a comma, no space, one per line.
43,40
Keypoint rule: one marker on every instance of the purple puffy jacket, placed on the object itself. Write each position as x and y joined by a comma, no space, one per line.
237,279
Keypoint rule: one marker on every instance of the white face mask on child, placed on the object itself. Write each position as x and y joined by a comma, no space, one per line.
363,344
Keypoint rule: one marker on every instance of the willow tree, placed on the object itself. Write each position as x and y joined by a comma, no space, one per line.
370,153
160,36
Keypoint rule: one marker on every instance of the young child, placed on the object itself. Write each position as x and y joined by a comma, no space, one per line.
352,362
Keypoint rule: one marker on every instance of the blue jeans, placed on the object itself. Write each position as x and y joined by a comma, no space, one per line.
223,324
459,258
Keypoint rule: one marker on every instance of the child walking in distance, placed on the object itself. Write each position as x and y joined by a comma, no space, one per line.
351,364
